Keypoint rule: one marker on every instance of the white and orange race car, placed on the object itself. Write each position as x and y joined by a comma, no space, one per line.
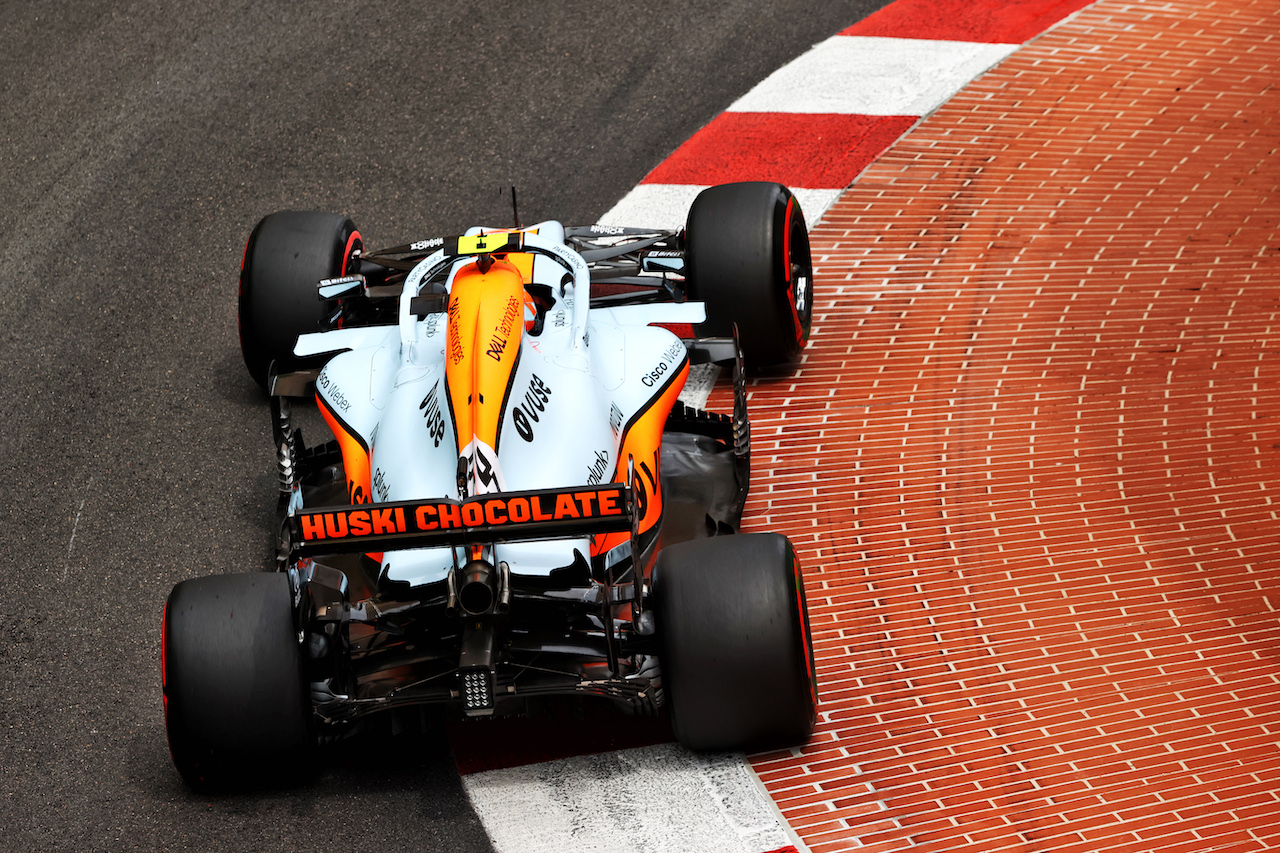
517,502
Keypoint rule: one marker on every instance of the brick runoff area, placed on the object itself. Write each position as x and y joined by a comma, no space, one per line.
1031,458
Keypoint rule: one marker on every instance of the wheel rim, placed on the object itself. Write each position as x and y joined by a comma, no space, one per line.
800,271
801,295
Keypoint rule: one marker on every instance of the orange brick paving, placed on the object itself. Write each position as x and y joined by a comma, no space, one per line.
1032,458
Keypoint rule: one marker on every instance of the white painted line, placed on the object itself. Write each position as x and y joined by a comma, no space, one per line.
872,76
657,799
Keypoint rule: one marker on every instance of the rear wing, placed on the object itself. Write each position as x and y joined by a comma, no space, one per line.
444,522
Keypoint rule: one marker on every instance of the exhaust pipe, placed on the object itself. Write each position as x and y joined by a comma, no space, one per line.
478,589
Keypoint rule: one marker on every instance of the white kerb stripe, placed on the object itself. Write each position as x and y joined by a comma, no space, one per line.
872,76
653,206
667,205
657,798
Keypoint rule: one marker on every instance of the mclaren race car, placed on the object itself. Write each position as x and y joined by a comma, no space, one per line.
517,501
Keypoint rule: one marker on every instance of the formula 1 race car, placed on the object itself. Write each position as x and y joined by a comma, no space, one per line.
516,502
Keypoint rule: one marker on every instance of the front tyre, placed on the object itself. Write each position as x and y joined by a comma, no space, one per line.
288,253
748,258
236,709
737,661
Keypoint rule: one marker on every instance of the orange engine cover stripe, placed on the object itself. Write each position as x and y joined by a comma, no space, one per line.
486,321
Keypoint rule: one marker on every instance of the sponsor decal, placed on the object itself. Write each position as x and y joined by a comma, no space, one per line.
339,399
356,522
501,334
456,351
615,420
330,283
423,245
332,392
529,409
644,471
433,325
485,513
380,487
430,407
598,469
606,229
651,378
672,356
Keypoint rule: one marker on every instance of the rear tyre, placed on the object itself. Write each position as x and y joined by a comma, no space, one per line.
747,257
737,662
236,709
287,254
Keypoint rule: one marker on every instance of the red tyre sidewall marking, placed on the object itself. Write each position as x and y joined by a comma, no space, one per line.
345,262
346,253
802,605
164,675
786,264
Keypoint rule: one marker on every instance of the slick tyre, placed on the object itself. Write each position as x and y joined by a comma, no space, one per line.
236,710
288,253
747,257
737,662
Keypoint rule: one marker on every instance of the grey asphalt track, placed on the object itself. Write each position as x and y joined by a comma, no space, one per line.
141,141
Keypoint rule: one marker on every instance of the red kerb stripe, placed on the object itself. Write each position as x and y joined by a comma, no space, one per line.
988,21
797,149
